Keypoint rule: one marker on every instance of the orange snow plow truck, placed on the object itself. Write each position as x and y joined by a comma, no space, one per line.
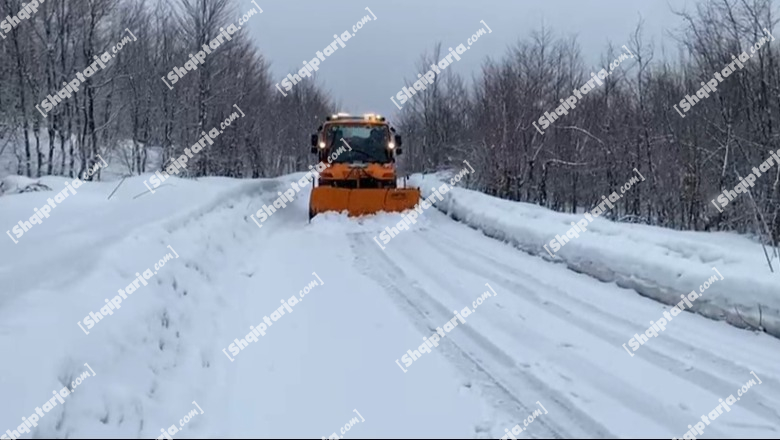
361,178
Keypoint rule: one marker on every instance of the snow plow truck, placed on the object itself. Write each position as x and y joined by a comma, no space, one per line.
361,177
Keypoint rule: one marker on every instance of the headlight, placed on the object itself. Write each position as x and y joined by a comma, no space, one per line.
391,145
322,144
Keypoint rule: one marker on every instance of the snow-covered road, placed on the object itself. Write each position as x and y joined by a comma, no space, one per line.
550,335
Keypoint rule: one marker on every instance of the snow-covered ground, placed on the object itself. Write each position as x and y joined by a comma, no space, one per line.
659,263
551,335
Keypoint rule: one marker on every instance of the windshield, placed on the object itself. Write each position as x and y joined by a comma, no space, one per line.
368,143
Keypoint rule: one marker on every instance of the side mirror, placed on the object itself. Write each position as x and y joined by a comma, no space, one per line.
314,140
398,140
399,151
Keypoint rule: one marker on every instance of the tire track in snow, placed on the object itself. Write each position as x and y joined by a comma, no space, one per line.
627,394
760,403
473,354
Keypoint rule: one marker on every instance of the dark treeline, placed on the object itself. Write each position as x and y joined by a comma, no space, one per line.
629,122
126,111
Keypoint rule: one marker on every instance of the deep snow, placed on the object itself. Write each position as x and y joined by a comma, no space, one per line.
658,263
551,335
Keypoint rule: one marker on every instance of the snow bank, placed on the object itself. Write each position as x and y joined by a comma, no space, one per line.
657,263
20,184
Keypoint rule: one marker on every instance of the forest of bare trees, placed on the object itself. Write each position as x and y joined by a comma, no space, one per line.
627,123
126,110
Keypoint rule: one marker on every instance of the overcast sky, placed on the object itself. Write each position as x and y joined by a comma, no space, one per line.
372,67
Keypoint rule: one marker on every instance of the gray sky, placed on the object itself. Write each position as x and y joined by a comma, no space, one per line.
373,65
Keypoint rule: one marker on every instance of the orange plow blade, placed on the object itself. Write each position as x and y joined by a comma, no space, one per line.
362,201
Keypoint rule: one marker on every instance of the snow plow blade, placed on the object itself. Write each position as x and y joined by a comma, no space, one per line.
359,202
